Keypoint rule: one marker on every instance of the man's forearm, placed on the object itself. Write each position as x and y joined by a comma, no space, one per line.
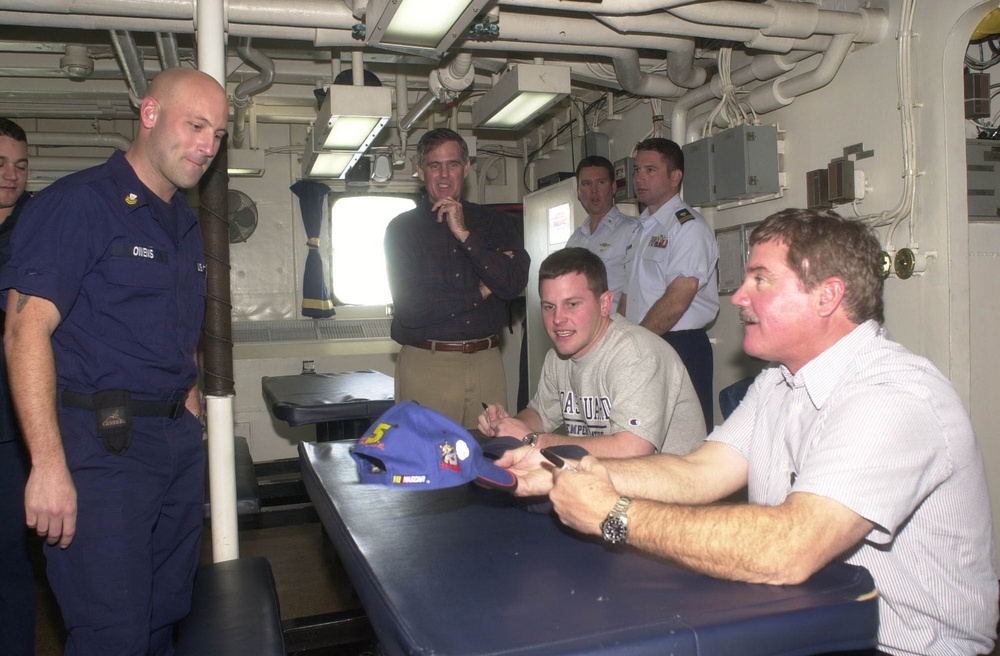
779,545
669,308
531,419
32,374
708,474
620,445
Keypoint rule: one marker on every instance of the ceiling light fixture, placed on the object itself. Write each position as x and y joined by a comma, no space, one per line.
245,163
326,164
351,117
525,91
418,27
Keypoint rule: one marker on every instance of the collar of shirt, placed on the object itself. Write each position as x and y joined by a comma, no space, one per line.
821,375
608,222
663,216
133,194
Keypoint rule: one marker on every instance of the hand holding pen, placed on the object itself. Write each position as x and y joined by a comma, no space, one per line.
557,461
490,419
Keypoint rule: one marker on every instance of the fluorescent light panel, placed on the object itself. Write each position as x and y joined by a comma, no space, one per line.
521,94
420,27
327,164
351,117
245,163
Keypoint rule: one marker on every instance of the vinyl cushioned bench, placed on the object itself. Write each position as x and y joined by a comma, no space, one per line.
234,612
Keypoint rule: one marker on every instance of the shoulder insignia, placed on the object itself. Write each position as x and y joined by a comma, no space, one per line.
683,216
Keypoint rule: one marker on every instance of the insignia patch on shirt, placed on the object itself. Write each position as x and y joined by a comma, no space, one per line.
658,241
131,199
683,216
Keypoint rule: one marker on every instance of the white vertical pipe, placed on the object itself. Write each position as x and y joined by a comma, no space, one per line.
357,68
211,36
222,474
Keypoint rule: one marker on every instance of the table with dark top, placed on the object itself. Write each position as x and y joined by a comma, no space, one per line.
342,404
465,572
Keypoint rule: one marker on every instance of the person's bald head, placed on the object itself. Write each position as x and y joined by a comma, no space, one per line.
182,121
172,82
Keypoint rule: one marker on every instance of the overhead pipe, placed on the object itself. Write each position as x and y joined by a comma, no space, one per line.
293,13
401,108
248,88
131,64
114,140
65,164
584,32
778,93
760,68
444,84
357,68
778,18
681,69
166,46
633,80
781,92
610,7
417,112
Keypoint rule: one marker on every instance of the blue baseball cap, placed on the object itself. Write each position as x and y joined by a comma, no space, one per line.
411,446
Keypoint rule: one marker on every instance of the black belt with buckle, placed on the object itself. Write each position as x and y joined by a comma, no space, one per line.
171,409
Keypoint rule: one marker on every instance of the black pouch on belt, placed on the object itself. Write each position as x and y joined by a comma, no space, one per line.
113,414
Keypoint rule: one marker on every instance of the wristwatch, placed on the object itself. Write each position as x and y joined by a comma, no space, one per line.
615,527
531,439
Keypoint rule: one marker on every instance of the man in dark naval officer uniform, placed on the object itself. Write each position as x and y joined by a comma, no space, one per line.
105,294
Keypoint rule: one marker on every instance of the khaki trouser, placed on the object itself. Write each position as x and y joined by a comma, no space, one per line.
454,384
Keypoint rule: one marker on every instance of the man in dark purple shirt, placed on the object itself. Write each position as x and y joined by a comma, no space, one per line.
453,266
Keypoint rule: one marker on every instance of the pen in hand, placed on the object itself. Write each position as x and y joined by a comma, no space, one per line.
557,461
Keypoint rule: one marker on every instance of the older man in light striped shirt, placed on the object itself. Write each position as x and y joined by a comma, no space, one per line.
852,449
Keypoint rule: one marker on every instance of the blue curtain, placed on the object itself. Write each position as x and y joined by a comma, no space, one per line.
316,301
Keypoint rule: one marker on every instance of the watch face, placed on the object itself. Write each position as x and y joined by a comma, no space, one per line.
614,530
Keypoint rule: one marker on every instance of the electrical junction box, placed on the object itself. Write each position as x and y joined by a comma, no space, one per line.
699,175
625,180
977,95
818,189
553,178
745,162
596,143
983,175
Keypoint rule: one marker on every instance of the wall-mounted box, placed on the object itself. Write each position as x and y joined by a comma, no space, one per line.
983,179
625,180
840,174
977,95
596,144
699,176
745,162
818,189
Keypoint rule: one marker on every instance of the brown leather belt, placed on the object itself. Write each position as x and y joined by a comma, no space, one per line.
469,346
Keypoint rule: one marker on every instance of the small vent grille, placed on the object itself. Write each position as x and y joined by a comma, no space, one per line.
245,332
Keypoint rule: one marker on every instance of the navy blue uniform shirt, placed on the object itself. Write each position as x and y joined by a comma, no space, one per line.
126,272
